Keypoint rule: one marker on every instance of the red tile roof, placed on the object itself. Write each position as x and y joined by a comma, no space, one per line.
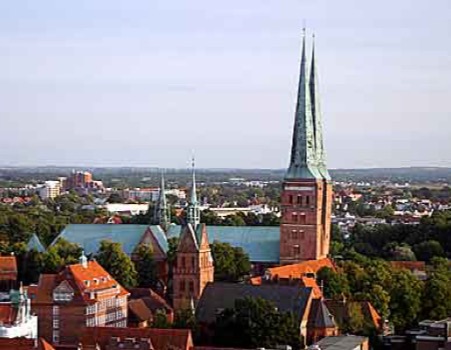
162,339
82,280
93,278
300,269
311,282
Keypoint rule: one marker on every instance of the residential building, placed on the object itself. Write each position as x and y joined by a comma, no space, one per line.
306,199
16,320
49,190
82,295
108,338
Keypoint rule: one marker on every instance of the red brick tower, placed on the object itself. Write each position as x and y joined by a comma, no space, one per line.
194,263
307,189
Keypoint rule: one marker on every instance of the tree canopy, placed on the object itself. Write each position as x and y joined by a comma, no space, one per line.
231,263
256,322
118,264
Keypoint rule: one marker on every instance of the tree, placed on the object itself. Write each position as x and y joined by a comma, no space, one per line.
437,292
335,284
427,250
160,320
405,299
231,263
118,264
32,264
51,261
70,252
355,321
145,266
256,322
185,319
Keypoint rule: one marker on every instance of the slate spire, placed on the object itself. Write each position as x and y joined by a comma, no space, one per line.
303,162
317,118
193,215
162,214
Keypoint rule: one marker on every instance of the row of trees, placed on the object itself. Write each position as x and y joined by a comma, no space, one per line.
431,238
396,293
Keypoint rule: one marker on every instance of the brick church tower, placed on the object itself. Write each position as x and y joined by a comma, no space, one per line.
307,189
194,263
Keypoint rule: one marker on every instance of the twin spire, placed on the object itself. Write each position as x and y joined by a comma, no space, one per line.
162,214
308,156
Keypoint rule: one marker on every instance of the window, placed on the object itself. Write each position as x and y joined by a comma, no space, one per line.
182,285
91,309
193,262
294,217
290,199
296,250
294,234
302,219
56,336
307,200
299,200
56,323
183,262
191,286
56,310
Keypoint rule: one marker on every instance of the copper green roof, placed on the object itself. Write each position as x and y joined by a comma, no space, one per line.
89,236
35,244
261,243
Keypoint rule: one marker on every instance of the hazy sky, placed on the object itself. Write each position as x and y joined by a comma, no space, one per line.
124,83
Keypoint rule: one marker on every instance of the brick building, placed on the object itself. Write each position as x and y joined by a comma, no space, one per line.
82,295
8,273
306,199
107,338
194,262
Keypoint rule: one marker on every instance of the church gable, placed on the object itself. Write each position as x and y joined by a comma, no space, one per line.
203,237
188,241
150,239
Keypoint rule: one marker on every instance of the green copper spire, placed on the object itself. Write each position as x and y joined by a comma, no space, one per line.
193,215
303,164
317,120
162,214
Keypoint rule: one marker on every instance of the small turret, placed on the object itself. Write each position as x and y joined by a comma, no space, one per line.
83,260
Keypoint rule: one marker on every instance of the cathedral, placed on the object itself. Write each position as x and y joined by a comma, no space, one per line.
304,233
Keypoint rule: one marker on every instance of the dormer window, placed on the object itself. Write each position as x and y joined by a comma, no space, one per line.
96,281
86,282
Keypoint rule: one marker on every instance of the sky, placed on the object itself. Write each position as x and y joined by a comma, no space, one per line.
149,82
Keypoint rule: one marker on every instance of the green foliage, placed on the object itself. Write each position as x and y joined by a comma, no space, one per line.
405,299
118,264
437,291
427,250
68,251
335,284
255,322
160,320
52,261
145,266
185,319
231,263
